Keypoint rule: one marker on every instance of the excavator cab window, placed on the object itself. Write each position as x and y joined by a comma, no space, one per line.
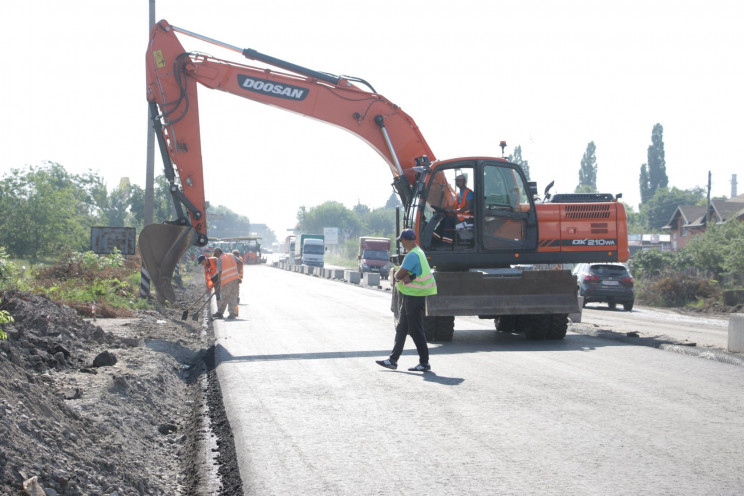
447,229
506,207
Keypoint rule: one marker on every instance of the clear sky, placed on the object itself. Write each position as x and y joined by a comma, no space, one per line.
549,76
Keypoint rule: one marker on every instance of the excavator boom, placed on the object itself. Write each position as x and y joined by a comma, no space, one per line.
172,78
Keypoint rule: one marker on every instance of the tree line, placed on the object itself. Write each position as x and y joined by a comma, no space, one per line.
658,200
48,210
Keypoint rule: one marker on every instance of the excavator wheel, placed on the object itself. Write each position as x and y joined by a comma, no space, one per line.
439,328
506,323
161,247
558,326
536,326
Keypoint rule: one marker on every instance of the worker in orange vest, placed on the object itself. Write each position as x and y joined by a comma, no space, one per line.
230,277
240,281
210,273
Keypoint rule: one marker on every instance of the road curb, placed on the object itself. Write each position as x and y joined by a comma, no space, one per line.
634,338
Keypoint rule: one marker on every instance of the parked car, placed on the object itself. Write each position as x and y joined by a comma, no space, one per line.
609,283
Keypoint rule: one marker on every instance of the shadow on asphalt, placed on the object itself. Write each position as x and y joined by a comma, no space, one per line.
463,342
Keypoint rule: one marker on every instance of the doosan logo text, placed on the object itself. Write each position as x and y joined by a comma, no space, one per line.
271,88
593,242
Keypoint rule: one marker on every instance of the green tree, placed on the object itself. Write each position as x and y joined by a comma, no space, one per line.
393,201
518,160
718,250
46,209
657,211
653,173
651,263
228,224
361,210
162,207
379,222
328,214
588,170
644,185
636,222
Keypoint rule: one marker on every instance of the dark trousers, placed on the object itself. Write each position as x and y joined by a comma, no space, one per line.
411,322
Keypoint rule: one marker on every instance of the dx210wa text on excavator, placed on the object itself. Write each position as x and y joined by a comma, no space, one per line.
473,254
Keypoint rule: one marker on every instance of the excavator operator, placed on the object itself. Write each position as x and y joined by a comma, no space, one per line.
464,205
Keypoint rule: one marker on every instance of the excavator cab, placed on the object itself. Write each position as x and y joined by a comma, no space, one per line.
487,213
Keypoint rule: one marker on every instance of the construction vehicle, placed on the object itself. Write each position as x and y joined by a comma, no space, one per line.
472,260
374,255
249,248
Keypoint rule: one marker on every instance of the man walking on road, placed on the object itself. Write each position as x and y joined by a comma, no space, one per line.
414,282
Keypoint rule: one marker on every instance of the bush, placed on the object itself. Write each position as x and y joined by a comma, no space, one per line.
677,290
79,279
10,273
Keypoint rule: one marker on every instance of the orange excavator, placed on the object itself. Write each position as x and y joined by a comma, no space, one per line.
479,258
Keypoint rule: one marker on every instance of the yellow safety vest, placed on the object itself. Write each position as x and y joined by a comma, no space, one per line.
423,285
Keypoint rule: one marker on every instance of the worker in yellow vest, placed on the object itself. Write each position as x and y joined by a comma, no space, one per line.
415,282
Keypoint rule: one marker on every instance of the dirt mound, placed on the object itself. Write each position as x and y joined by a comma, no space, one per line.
113,406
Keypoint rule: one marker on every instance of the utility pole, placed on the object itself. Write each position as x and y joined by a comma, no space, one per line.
707,214
150,175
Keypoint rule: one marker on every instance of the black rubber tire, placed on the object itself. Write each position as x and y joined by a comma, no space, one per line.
446,328
536,327
430,328
628,306
558,326
439,328
506,323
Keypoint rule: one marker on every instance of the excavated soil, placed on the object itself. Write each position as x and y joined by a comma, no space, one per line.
113,406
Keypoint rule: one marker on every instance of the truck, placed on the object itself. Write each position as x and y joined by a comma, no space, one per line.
374,255
289,248
472,257
310,250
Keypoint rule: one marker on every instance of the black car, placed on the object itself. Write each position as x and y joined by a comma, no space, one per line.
609,283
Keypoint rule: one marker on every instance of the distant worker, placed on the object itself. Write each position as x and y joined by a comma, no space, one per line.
227,268
415,283
210,272
240,272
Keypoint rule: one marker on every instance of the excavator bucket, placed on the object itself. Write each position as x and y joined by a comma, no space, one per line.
161,247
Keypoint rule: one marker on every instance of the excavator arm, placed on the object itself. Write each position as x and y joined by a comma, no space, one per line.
508,227
172,78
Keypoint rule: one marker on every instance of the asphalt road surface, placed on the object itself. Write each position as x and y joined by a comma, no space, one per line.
312,413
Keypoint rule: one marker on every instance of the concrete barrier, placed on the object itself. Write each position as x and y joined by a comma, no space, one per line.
337,273
736,333
352,276
371,279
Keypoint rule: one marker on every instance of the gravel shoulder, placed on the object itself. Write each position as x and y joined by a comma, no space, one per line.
111,406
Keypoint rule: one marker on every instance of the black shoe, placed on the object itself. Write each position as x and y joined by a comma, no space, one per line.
232,317
217,316
421,367
388,364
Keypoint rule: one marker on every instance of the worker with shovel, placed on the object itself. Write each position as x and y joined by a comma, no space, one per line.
210,273
229,278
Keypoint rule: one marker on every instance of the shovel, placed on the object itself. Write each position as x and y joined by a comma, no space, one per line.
185,313
198,311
